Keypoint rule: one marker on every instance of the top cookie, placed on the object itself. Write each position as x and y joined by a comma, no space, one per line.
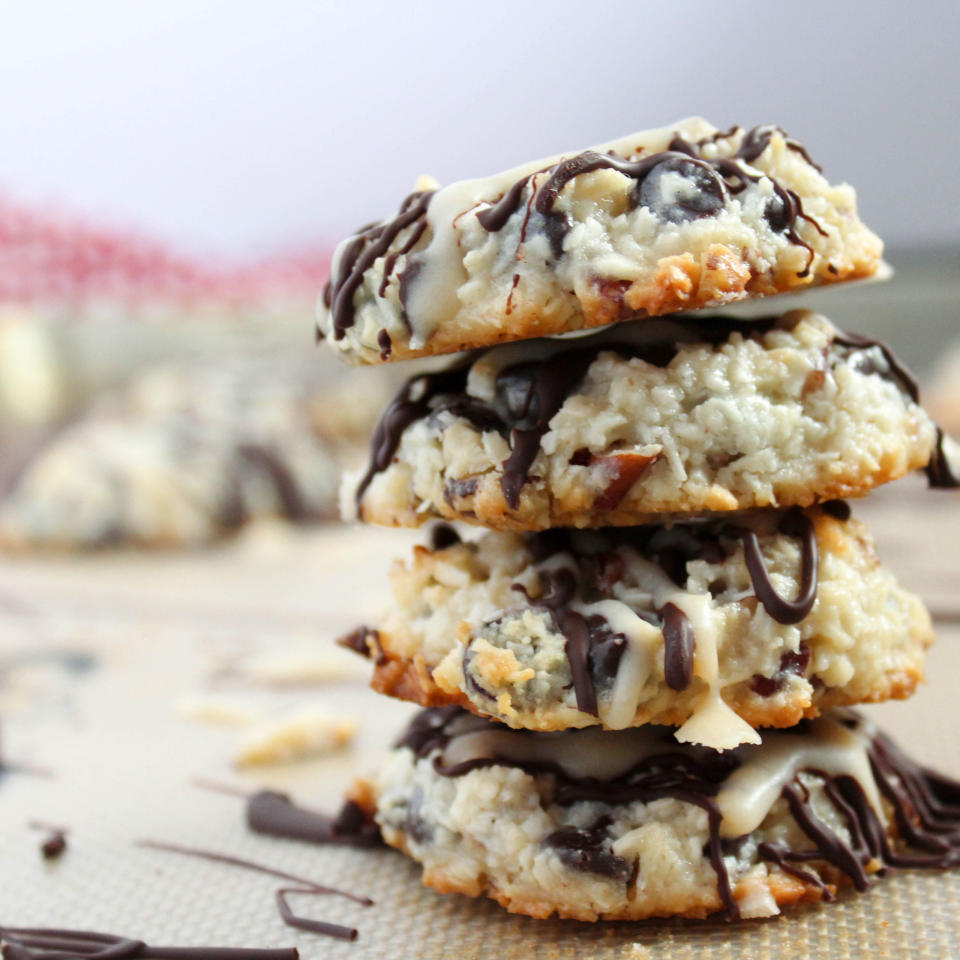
661,221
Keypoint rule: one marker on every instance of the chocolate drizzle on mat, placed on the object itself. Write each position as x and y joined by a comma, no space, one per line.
528,395
302,886
276,815
36,943
924,804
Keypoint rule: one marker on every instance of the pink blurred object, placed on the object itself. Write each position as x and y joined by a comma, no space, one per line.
48,257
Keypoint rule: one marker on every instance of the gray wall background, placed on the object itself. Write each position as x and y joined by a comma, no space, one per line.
237,126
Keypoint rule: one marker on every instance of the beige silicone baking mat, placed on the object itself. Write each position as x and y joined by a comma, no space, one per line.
100,657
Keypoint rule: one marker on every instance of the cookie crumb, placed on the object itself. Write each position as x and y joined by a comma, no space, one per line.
299,737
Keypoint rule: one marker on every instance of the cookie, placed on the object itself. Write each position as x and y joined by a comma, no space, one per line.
658,222
718,626
599,825
180,458
645,420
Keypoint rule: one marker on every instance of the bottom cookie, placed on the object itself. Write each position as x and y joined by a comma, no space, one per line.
623,825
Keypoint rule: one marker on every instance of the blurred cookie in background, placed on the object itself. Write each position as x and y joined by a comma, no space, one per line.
187,454
153,399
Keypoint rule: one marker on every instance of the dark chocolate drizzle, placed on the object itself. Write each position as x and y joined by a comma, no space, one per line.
363,251
385,344
413,402
594,650
559,589
757,140
303,886
678,647
941,474
528,396
36,943
795,523
858,344
925,806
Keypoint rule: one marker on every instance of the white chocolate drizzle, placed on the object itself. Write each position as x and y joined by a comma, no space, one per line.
745,797
433,299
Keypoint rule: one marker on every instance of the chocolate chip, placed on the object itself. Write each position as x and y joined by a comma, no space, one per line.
442,536
795,662
702,196
778,214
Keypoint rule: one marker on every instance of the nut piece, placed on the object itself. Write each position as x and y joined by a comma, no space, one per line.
623,469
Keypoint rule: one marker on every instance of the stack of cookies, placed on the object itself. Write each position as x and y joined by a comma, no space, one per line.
637,681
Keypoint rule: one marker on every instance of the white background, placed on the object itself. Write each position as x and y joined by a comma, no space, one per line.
237,126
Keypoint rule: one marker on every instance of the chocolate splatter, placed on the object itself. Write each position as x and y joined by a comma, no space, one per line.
54,845
323,927
36,943
216,857
276,815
